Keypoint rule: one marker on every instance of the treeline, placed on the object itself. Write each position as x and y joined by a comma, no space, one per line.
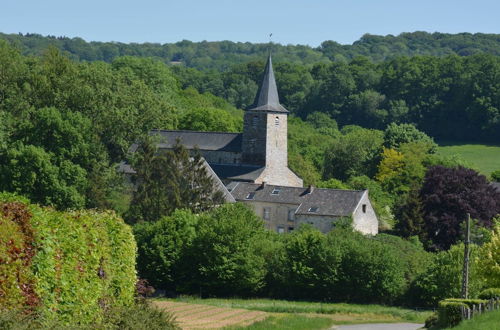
227,252
424,90
221,55
450,98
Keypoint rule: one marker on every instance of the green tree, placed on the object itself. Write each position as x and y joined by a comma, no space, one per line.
352,154
170,180
225,256
495,175
443,278
162,249
410,216
308,266
395,135
30,171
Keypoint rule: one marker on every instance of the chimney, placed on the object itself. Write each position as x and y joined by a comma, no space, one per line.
263,185
310,189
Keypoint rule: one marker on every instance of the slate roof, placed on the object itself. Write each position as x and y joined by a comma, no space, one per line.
237,172
203,140
218,185
332,202
267,98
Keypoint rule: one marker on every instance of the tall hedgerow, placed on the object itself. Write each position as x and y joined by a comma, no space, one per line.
74,265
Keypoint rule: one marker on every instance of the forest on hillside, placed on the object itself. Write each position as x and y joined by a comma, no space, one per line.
376,81
221,55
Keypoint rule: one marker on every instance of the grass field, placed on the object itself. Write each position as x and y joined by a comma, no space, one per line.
484,158
289,321
198,316
486,321
340,313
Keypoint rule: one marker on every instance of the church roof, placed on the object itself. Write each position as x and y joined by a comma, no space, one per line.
267,98
319,201
203,140
237,172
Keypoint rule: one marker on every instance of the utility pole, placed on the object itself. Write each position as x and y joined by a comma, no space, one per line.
465,275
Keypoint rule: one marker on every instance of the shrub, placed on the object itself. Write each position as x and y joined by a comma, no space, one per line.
490,293
449,311
443,278
431,321
370,270
489,259
495,175
136,316
71,266
307,266
162,248
226,256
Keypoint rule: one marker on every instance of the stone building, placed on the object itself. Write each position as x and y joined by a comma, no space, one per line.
285,208
253,166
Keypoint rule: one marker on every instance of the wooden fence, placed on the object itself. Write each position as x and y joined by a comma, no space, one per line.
470,312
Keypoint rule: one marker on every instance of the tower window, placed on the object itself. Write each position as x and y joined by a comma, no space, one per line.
251,143
364,208
255,121
277,121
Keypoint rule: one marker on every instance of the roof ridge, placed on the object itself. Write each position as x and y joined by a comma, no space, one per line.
188,131
315,188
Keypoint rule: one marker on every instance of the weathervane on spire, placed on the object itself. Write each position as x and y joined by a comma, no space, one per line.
270,43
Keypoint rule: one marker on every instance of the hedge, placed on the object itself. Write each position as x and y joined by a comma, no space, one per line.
68,266
490,293
449,313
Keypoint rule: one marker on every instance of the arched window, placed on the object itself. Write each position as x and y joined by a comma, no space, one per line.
277,121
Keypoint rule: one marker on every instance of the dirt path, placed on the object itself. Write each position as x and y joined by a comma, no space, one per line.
194,316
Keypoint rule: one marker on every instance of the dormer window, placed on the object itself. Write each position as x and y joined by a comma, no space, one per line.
250,195
313,209
276,191
276,121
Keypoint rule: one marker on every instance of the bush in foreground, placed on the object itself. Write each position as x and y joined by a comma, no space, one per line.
67,267
137,316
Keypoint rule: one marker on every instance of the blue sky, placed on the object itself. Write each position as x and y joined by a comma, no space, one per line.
290,21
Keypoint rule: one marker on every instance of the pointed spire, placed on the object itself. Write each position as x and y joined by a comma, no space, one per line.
267,97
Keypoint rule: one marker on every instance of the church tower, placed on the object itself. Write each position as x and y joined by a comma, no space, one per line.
265,133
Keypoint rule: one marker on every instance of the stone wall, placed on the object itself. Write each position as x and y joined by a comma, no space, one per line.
254,138
279,176
321,222
278,215
364,217
276,142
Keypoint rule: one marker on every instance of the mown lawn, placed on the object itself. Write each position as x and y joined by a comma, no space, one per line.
486,321
484,158
340,313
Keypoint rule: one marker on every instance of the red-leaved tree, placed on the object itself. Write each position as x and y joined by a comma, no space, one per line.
447,195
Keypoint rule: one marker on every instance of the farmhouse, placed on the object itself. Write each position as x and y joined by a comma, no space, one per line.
253,166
